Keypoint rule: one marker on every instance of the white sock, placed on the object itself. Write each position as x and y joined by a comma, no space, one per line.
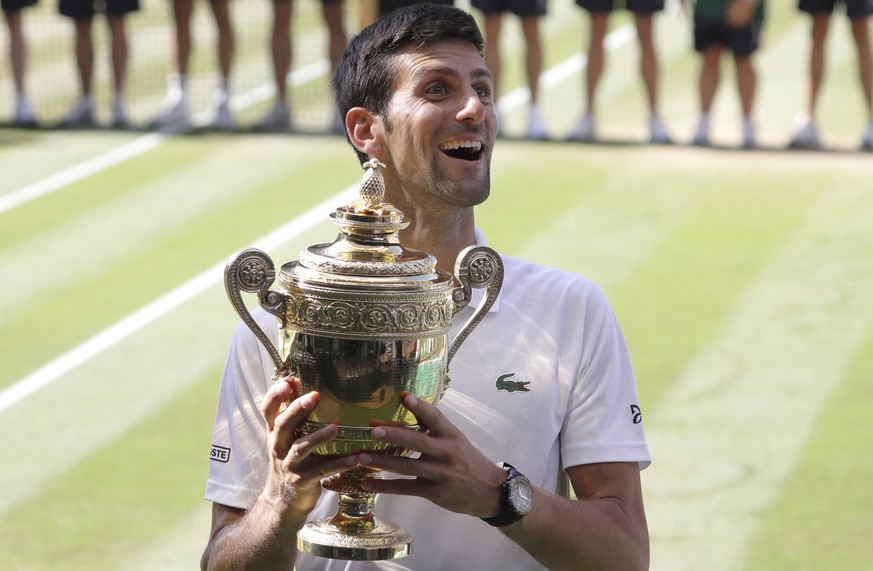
703,124
177,85
223,89
748,128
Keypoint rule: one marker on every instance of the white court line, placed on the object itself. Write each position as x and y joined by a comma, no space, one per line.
146,143
84,352
81,171
114,334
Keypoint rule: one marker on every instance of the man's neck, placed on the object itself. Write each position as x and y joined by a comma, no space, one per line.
442,235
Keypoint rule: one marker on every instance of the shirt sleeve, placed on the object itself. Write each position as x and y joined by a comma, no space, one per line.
604,420
239,459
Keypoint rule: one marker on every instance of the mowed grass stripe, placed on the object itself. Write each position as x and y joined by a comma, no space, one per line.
823,517
613,230
543,188
141,272
733,426
144,201
31,157
673,246
100,221
149,480
97,401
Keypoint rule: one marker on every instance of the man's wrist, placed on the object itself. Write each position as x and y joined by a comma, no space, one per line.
516,500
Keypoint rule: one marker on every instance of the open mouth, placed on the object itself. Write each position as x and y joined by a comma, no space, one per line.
464,150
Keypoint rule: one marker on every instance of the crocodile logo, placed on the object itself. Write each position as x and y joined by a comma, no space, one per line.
504,384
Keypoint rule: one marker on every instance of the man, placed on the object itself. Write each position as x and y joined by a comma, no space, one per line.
736,25
643,10
82,13
529,13
175,111
417,95
12,9
806,131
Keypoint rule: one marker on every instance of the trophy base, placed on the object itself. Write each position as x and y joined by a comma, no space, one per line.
386,540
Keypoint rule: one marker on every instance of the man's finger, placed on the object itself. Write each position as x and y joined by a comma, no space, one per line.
304,446
286,421
428,415
401,465
271,406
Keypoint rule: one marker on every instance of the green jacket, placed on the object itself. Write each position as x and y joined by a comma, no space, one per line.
715,9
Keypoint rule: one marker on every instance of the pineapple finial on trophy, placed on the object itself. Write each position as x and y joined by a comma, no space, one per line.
372,187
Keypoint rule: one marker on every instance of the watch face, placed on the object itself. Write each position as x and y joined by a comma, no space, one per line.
521,495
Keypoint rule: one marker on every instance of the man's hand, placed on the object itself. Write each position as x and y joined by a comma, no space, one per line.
264,537
294,480
450,472
740,13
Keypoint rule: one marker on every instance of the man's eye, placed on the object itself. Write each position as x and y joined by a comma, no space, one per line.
483,92
437,90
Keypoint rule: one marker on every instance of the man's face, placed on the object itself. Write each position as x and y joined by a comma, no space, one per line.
440,125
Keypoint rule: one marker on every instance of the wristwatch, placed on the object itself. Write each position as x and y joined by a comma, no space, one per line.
517,498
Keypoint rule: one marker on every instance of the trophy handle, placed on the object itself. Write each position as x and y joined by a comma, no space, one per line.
477,267
251,270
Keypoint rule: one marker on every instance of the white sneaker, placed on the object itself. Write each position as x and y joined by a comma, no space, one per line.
701,134
24,115
119,116
657,133
222,120
536,129
276,120
174,114
805,133
867,137
80,115
584,130
750,141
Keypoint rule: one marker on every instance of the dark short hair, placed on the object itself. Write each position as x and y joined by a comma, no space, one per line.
366,71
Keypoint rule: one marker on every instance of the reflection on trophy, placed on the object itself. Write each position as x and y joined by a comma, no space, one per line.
363,321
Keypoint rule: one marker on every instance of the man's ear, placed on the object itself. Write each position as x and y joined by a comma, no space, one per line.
365,131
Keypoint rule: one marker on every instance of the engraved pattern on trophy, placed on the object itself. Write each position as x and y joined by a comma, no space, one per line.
403,268
349,314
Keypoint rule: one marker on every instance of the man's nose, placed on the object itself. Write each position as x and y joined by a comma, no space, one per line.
473,108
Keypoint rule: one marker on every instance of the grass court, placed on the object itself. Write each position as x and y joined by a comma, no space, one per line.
743,282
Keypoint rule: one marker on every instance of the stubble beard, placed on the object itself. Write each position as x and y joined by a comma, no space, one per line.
466,193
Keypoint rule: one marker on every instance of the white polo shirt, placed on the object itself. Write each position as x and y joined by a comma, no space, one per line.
544,381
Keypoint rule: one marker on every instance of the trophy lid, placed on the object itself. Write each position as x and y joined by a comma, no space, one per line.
367,248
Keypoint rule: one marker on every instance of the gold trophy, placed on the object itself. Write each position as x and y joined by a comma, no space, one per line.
363,321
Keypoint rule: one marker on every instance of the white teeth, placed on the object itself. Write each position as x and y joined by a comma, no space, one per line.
452,145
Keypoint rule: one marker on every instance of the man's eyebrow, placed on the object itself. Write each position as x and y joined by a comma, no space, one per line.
477,73
481,72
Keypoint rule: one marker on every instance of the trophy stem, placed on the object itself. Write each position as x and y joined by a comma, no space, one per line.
354,513
354,532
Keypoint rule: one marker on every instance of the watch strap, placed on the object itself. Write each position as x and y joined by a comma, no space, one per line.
508,514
